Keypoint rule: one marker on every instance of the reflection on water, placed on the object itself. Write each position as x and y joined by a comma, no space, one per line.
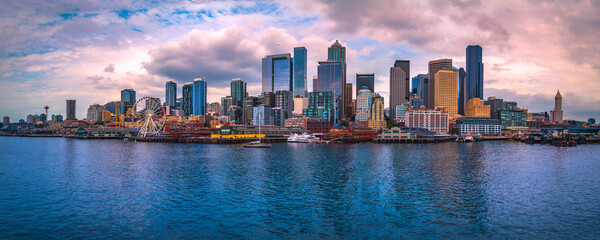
58,188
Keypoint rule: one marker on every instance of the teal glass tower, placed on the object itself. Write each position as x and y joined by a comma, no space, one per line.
238,90
199,96
300,72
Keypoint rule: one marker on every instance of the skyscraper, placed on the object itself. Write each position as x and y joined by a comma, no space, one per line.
170,94
556,115
337,52
321,105
474,80
414,85
446,90
226,103
6,121
476,108
285,100
377,118
277,73
434,66
300,72
348,101
238,90
462,94
315,83
188,99
423,88
364,99
71,110
330,80
399,84
199,96
128,98
363,80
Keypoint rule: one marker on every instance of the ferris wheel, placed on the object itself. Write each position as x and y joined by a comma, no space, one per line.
147,110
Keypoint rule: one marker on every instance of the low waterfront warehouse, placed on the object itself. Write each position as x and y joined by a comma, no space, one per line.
483,126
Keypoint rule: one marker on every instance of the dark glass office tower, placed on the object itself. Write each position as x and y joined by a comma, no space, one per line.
474,80
170,93
462,102
365,80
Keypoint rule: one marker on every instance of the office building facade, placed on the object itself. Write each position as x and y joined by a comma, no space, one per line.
330,79
187,99
365,80
377,117
462,94
71,108
285,101
128,98
364,99
476,108
431,120
199,96
277,73
300,69
474,77
423,88
399,84
483,126
238,90
321,105
434,66
170,94
446,90
262,116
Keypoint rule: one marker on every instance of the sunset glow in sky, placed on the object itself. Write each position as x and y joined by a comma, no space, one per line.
91,50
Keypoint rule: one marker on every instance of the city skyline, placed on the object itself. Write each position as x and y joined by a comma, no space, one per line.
92,52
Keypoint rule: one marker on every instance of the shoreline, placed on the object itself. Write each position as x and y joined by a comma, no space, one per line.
273,140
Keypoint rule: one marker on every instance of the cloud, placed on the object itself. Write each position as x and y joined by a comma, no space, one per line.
61,49
228,53
110,68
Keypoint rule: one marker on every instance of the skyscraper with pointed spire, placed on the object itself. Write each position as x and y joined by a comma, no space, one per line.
556,115
337,52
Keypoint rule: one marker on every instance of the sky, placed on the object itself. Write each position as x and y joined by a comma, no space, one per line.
89,50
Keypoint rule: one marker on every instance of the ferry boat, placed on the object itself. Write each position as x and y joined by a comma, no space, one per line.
293,138
304,138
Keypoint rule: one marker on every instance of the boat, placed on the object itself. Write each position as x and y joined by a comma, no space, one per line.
469,138
307,138
293,138
465,138
257,144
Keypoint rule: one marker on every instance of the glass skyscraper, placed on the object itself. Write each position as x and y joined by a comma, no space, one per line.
330,80
462,102
321,105
238,90
423,88
300,66
199,96
71,110
399,84
187,99
277,73
337,52
474,78
170,94
128,99
365,80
